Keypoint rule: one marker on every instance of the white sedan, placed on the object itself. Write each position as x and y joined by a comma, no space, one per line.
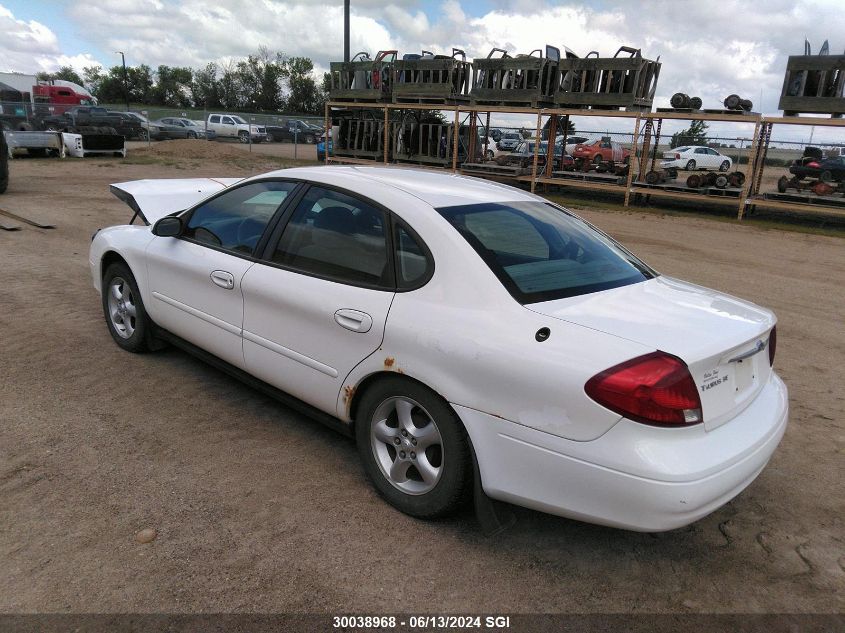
693,158
455,327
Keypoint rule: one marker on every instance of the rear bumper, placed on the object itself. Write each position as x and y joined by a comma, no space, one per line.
635,476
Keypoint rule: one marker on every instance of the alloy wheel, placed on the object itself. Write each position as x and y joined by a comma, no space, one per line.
122,310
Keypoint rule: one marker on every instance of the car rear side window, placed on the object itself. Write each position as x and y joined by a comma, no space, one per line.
236,219
540,252
413,265
338,237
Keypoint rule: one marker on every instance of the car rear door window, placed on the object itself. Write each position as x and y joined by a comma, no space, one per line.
214,118
540,252
338,237
236,219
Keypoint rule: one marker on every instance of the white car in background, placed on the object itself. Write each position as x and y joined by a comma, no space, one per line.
695,157
448,323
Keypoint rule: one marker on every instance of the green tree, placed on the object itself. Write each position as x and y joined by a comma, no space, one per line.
92,77
172,87
205,91
696,134
65,73
303,95
259,78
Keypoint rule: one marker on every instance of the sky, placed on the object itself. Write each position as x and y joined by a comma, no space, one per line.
707,49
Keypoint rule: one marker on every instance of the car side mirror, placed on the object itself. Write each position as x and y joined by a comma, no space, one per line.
169,226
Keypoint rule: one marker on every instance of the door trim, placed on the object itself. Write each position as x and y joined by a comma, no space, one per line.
291,354
223,325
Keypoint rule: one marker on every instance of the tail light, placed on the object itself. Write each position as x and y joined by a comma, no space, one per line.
677,156
773,343
813,164
653,389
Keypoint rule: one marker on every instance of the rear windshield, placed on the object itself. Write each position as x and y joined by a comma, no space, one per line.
541,252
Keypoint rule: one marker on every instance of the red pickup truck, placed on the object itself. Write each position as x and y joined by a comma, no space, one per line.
602,151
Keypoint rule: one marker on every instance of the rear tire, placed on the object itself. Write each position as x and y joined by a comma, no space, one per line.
690,165
123,309
414,448
725,166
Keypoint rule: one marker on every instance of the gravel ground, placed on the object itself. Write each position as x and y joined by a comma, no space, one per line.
259,509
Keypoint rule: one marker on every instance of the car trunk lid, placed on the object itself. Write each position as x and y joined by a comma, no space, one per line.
722,339
154,199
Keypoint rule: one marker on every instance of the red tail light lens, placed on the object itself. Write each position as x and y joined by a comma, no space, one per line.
677,157
773,343
813,164
654,389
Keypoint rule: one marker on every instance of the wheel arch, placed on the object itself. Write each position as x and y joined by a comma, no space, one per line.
353,394
112,257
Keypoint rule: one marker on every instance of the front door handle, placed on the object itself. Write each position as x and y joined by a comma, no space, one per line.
354,320
223,279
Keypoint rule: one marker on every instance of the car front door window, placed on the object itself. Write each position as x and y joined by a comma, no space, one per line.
336,236
235,220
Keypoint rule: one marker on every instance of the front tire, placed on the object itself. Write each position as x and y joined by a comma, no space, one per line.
243,137
123,308
414,449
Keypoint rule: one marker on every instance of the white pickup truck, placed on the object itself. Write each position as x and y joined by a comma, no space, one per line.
233,126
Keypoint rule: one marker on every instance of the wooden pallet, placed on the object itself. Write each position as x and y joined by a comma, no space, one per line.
727,192
494,169
680,110
533,103
589,177
447,101
729,112
807,198
821,115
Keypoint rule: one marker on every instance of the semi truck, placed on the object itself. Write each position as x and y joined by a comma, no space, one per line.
25,101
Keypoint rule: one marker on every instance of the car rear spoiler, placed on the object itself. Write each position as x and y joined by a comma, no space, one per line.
154,199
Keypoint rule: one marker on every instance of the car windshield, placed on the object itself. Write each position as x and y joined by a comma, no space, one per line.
541,252
512,135
238,119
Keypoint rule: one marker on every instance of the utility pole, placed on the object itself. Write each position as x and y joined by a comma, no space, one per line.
125,80
346,30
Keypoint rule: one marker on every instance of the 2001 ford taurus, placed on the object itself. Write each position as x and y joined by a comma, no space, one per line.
450,322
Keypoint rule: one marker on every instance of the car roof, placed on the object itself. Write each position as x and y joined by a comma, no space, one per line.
434,188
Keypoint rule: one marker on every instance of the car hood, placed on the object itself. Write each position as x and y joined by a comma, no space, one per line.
154,199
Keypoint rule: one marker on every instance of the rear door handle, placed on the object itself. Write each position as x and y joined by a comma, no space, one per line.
223,279
354,320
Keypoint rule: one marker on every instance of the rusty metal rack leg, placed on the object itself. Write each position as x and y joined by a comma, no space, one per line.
750,169
550,147
328,136
565,136
643,160
455,138
762,152
656,143
486,134
386,133
536,150
634,137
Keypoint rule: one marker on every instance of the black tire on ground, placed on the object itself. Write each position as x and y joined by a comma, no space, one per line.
693,181
142,135
721,181
309,139
652,177
243,137
739,178
725,166
118,274
4,163
783,182
690,165
826,176
455,480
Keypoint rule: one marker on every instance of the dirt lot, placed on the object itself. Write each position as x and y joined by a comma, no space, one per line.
260,509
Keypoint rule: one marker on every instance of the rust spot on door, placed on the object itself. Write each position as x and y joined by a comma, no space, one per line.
388,362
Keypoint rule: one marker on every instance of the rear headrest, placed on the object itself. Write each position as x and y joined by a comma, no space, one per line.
338,219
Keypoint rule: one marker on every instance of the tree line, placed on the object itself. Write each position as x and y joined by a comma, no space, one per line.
264,81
